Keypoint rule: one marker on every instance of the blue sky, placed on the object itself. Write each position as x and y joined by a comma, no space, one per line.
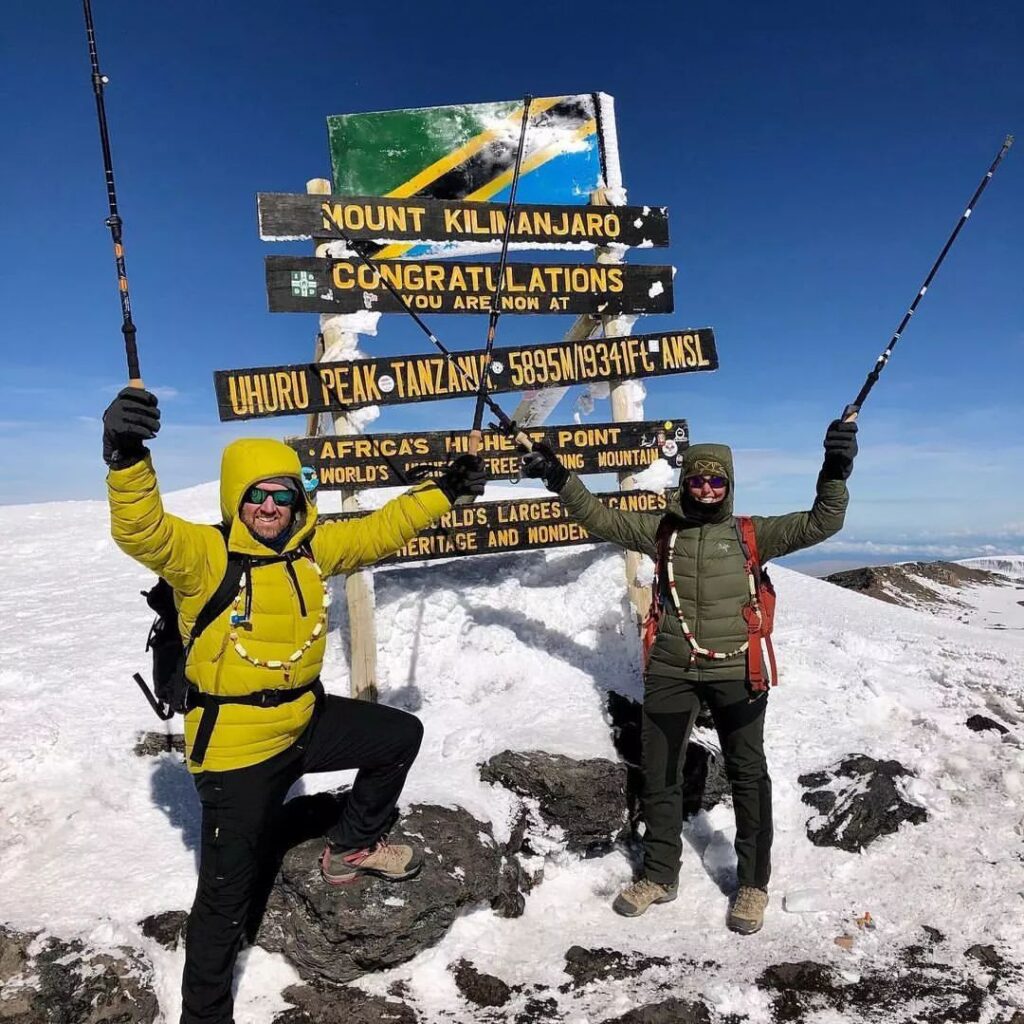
814,158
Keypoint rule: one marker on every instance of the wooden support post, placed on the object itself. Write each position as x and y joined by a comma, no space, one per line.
335,340
624,408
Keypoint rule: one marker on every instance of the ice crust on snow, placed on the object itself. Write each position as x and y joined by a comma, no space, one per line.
516,652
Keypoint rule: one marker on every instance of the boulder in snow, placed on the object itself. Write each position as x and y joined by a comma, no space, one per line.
858,801
330,1004
479,988
669,1011
67,983
338,933
585,799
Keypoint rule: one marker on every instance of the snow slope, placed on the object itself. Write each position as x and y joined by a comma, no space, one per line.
517,652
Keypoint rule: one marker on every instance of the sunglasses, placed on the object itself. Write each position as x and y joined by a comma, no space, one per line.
258,495
697,482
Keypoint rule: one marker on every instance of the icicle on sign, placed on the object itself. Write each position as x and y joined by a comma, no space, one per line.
468,151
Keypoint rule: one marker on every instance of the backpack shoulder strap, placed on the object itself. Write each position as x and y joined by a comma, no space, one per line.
225,593
748,541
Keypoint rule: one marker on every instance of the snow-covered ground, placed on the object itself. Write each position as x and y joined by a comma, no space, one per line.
517,652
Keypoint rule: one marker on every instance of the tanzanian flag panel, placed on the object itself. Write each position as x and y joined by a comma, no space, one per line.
468,151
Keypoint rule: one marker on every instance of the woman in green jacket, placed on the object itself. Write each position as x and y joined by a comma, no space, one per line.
703,613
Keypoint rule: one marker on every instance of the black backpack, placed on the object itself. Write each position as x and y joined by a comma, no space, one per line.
169,694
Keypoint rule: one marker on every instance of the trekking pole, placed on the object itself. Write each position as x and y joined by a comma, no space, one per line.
504,422
114,220
853,409
476,435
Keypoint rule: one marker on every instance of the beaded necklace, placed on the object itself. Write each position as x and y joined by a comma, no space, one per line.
239,617
706,652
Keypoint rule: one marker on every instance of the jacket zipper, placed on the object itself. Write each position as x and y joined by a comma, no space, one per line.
298,590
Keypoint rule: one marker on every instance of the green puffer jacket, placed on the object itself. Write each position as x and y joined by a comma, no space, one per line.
708,562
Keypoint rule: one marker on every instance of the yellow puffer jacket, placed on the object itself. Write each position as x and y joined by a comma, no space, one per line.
285,607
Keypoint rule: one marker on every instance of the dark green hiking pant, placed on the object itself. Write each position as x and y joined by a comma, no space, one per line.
670,709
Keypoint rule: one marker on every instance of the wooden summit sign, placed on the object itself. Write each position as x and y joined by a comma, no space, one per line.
308,284
397,380
286,217
522,524
384,460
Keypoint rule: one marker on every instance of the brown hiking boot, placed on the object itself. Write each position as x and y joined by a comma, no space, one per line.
382,860
636,898
746,915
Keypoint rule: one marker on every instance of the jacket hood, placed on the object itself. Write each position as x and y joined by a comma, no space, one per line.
247,461
707,460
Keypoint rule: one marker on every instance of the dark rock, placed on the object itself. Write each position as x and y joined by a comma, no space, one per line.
671,1011
13,952
341,1004
586,799
587,965
513,884
861,812
480,989
539,1011
934,935
151,744
986,956
979,723
66,983
167,928
337,933
931,992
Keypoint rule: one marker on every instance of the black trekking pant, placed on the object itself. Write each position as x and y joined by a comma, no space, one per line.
670,709
242,820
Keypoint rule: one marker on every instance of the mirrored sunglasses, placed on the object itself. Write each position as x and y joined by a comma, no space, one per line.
697,482
283,499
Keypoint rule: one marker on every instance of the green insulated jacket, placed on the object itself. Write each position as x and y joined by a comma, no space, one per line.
707,562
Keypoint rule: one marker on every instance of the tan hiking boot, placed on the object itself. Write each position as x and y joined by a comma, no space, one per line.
746,915
636,898
392,863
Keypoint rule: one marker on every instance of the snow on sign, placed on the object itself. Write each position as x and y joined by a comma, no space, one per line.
308,284
287,217
492,527
396,380
384,460
467,151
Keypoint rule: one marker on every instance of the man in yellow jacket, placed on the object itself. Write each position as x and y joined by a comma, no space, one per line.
259,718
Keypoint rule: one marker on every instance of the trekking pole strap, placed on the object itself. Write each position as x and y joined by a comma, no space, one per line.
211,705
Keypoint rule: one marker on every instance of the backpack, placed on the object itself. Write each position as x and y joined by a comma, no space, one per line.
758,612
169,695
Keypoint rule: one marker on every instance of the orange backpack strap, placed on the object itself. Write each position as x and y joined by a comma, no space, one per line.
759,613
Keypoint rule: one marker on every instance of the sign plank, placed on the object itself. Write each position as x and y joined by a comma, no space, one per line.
495,527
396,380
284,216
307,284
384,460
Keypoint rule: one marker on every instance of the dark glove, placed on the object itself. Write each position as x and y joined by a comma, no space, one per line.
465,477
543,464
840,450
130,419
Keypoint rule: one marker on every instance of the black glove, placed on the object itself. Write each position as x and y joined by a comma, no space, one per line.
130,419
543,464
840,450
465,477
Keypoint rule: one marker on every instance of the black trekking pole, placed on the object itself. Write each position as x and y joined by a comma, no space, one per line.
853,409
504,422
114,220
476,434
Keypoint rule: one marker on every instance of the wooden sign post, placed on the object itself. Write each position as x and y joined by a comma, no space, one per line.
336,340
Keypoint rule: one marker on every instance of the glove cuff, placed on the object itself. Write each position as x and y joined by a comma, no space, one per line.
557,478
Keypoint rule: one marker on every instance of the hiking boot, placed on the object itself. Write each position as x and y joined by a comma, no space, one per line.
636,898
746,915
382,860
